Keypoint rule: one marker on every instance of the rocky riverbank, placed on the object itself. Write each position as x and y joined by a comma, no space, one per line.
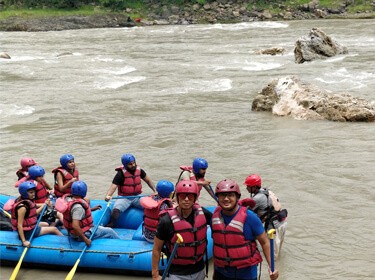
215,12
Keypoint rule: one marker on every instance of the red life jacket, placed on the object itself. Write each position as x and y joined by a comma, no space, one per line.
66,177
41,192
192,176
86,223
194,243
132,182
151,215
31,218
230,246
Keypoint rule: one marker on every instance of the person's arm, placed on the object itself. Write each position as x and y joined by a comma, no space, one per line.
78,232
110,192
45,183
60,182
156,253
149,183
265,243
21,217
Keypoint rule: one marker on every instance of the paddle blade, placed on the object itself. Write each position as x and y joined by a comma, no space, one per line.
72,271
18,266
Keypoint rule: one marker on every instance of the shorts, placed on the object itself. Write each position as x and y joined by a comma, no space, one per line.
196,276
124,203
28,233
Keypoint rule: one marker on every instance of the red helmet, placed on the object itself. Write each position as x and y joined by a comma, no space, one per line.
227,185
186,186
27,162
253,180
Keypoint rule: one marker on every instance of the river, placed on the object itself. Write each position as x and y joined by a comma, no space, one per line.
170,93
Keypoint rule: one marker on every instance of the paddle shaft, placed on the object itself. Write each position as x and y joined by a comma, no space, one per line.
73,270
271,234
213,192
128,197
18,266
5,213
179,240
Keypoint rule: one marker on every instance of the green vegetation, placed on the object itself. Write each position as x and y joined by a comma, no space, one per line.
140,8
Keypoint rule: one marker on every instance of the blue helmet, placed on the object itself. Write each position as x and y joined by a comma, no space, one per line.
164,188
127,158
199,163
36,171
64,159
24,187
79,188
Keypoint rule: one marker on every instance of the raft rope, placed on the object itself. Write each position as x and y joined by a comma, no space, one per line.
80,250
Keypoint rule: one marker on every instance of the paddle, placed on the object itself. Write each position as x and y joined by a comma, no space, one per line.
179,240
73,270
129,197
271,234
213,192
18,266
5,213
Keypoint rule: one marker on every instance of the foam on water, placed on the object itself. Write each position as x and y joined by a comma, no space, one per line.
118,83
342,75
258,66
119,71
247,25
9,110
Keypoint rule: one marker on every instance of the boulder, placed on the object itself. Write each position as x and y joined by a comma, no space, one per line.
272,51
316,45
4,55
289,96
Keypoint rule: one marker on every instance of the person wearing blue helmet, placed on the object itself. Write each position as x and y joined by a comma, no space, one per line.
78,219
65,175
36,175
152,205
128,182
197,172
25,215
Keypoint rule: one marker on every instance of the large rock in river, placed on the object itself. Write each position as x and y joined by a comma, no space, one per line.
289,96
316,45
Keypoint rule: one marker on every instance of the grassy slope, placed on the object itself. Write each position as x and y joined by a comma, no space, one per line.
358,8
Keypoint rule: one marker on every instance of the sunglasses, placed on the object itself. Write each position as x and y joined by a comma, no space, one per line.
183,196
230,195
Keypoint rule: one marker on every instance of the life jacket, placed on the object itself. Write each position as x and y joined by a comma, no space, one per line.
86,223
194,244
151,214
31,217
192,176
132,182
67,176
273,210
21,173
230,247
41,192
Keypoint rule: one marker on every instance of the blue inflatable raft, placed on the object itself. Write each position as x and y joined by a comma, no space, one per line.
129,255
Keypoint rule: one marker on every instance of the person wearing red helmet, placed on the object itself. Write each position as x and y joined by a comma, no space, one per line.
190,221
25,163
235,230
268,208
197,172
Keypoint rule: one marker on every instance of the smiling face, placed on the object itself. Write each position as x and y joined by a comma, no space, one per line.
228,201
